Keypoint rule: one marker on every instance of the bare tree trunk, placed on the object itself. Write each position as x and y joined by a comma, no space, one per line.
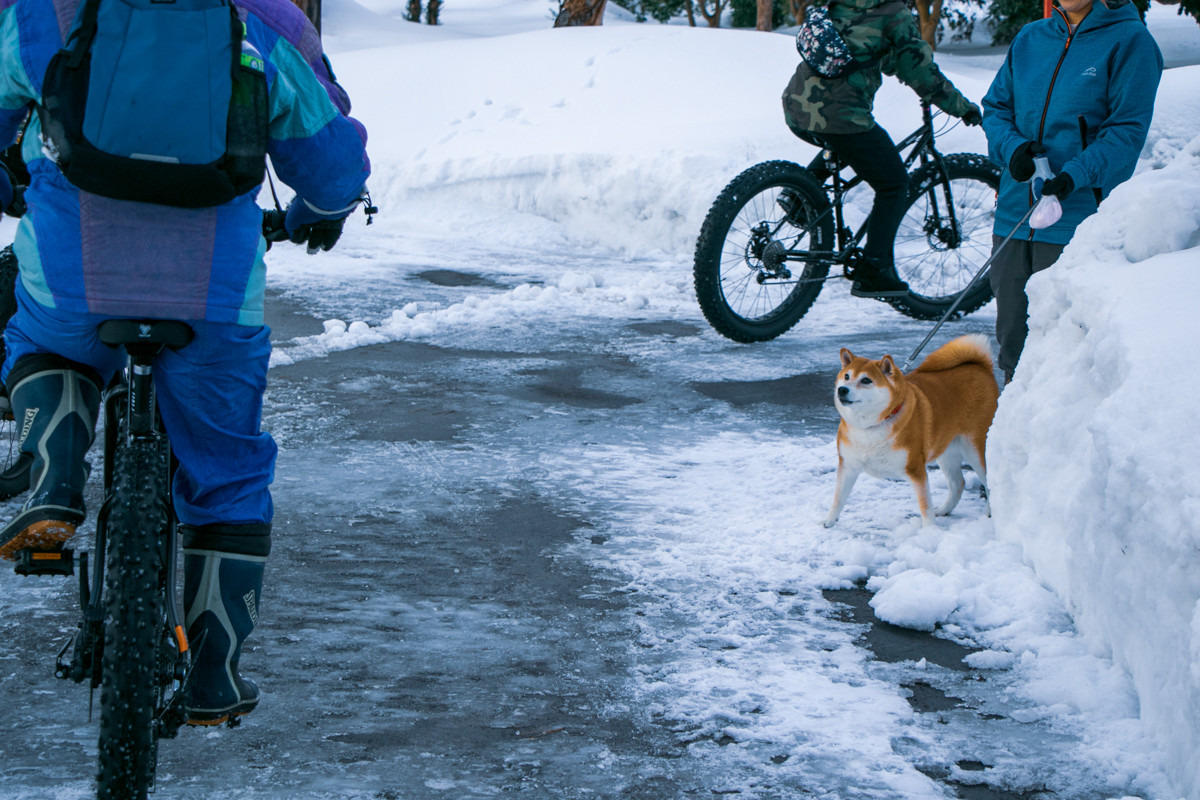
797,9
711,16
572,13
765,13
691,13
413,12
432,12
312,10
929,15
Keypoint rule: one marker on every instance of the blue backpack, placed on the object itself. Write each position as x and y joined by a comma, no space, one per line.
158,101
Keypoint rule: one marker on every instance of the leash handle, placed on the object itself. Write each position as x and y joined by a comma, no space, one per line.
963,293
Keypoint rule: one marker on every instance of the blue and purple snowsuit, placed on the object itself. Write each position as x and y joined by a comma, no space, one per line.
85,258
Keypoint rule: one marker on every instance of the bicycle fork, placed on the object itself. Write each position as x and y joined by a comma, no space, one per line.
134,400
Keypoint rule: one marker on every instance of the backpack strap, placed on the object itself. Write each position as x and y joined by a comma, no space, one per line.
237,35
80,40
858,66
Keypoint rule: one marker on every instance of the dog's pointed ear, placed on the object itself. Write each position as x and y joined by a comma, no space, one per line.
887,366
847,357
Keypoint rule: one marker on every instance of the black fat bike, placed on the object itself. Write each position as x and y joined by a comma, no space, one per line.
773,234
130,643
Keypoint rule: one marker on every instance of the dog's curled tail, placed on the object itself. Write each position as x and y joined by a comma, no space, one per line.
972,349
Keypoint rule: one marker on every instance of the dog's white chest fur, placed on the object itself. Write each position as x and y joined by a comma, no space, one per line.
871,450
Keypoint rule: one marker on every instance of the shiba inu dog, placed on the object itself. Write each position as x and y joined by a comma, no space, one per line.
894,425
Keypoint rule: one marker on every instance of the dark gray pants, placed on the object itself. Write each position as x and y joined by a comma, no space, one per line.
1011,270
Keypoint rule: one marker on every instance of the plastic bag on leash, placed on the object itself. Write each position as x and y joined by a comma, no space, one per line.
1041,174
1048,210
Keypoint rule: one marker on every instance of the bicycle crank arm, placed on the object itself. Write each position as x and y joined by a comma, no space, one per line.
810,257
799,281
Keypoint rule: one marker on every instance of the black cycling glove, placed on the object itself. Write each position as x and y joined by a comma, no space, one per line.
321,235
306,225
7,187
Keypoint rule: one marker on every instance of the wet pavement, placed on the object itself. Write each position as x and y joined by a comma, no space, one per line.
432,627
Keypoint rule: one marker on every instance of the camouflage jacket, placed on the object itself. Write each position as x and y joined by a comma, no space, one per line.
880,31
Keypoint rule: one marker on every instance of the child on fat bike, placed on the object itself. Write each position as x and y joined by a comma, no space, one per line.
835,113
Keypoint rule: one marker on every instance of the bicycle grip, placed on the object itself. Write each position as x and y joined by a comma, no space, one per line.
273,229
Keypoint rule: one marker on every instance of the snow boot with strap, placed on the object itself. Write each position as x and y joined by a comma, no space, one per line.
222,587
55,403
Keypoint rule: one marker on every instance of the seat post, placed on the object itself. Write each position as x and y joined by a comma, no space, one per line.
141,395
143,340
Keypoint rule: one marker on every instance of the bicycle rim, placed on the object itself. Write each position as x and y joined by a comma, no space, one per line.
938,253
747,286
135,623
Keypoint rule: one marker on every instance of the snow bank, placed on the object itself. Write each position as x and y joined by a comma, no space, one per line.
620,136
1093,450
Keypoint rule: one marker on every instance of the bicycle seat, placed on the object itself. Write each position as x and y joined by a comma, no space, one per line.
149,335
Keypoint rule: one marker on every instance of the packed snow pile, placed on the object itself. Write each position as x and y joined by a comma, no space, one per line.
618,136
1092,455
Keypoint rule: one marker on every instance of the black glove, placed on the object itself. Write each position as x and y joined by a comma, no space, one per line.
1020,166
1060,186
6,187
321,235
305,225
973,116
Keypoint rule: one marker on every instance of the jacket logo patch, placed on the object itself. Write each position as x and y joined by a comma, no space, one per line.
1090,72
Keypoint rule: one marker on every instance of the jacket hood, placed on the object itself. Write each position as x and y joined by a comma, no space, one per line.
1103,14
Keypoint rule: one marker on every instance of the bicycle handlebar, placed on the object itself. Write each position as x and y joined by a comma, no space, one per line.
272,226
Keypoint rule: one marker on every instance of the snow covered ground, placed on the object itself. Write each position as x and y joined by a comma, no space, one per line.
573,168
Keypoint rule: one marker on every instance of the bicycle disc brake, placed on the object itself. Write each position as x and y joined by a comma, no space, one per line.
942,234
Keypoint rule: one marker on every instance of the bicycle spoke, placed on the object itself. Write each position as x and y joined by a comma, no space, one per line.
945,236
750,284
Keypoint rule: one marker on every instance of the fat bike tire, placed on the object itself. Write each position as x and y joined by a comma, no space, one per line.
135,626
747,289
936,256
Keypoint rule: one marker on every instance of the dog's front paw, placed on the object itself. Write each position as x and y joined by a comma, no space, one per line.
830,521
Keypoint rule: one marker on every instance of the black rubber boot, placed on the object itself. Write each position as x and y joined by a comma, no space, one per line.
56,402
222,588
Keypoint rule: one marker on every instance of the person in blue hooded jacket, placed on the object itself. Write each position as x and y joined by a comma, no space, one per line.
85,258
1077,88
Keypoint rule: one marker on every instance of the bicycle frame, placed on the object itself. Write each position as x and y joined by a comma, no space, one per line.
924,150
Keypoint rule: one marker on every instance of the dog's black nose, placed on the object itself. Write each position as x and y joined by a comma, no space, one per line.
843,392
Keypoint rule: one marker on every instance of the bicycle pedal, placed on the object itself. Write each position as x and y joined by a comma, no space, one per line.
45,562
